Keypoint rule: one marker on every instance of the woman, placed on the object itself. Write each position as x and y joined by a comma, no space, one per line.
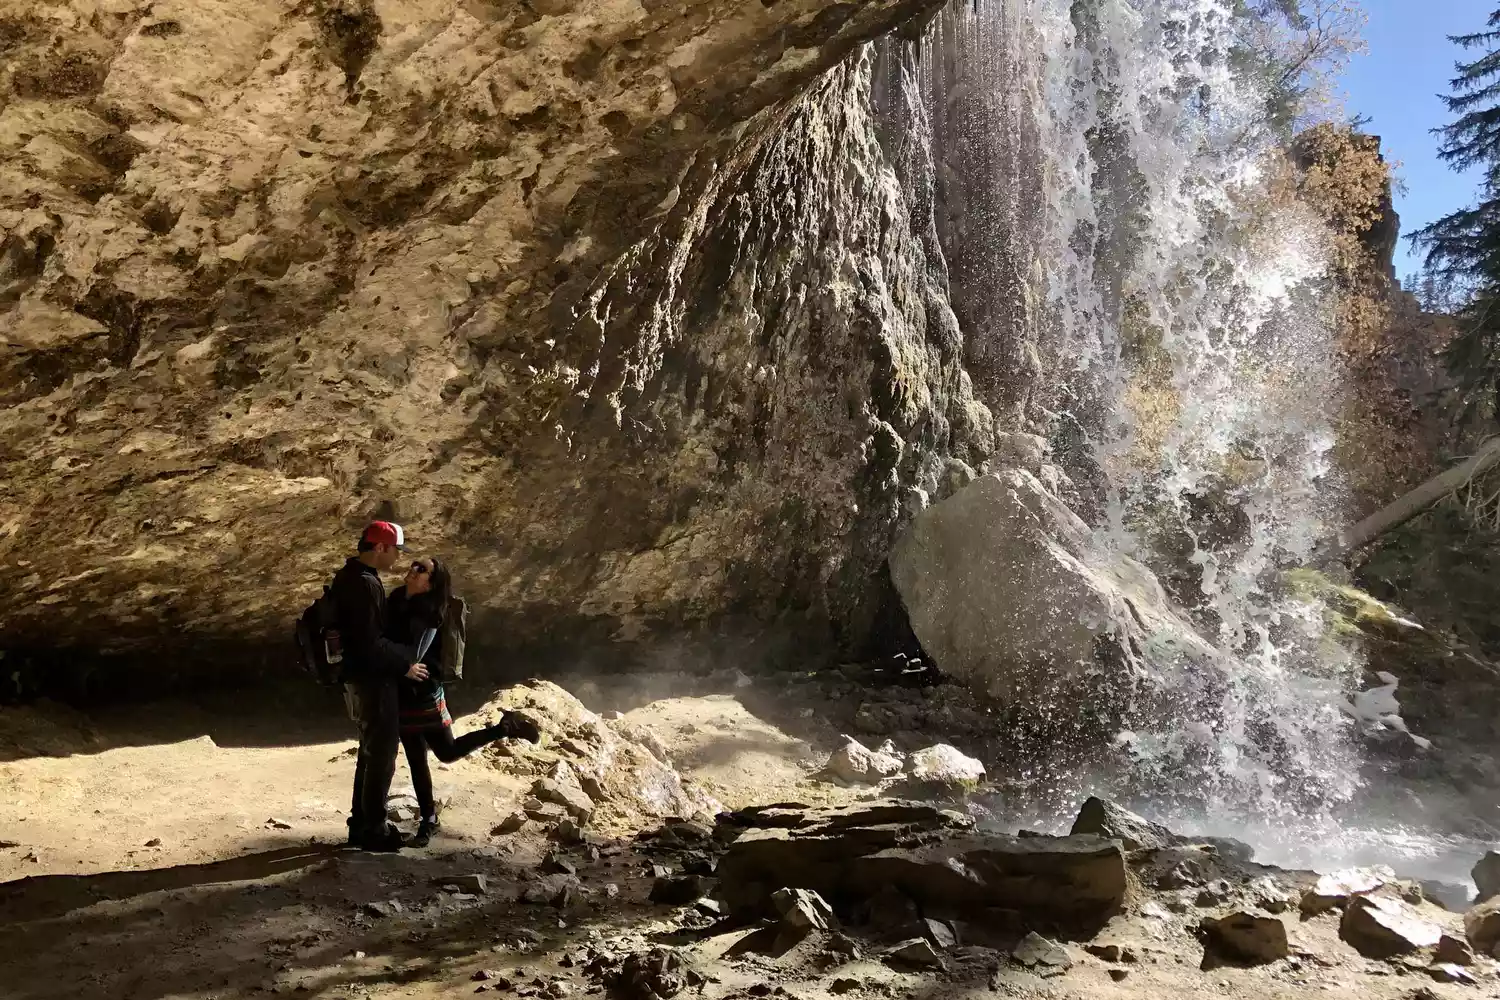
412,609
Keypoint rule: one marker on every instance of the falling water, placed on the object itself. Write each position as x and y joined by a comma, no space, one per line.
1095,172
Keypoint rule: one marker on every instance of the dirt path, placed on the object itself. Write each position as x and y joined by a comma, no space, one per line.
148,871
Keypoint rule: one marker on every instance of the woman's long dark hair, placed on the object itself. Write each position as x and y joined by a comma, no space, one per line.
435,601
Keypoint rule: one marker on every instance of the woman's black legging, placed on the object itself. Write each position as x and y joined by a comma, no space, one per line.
445,748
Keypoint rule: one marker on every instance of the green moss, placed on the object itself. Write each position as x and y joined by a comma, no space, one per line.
1350,611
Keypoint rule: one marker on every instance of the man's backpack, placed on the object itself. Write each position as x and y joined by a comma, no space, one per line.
455,624
313,630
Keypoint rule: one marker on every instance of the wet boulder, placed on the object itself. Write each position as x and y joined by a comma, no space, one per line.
1108,820
1007,590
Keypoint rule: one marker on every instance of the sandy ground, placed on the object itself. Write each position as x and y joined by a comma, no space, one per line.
181,851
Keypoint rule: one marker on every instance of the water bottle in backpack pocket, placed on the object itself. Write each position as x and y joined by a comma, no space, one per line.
318,639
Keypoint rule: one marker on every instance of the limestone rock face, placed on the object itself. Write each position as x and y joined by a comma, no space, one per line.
614,303
1007,589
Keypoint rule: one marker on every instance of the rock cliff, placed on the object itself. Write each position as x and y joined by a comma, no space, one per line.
616,304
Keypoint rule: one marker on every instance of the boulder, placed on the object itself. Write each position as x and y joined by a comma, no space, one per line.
1482,928
1043,956
1453,951
1486,875
856,764
944,768
1337,888
803,912
627,782
1245,936
932,856
1383,927
1007,589
803,908
1106,819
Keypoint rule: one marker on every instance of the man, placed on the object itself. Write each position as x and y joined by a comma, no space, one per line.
371,666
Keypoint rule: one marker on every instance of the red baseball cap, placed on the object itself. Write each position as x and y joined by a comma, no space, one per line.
384,533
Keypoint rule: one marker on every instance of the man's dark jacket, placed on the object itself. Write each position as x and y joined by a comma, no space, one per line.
359,605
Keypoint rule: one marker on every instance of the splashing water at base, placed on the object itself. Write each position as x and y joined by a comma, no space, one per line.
1133,279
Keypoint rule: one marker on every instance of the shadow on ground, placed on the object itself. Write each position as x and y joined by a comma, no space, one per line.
298,919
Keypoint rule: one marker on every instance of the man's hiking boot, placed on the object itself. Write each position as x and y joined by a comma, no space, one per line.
389,839
425,830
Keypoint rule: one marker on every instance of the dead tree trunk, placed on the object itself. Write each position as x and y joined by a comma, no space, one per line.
1399,511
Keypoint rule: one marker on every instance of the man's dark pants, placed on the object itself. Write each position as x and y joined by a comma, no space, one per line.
374,708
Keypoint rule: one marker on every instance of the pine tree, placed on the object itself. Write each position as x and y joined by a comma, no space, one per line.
1463,249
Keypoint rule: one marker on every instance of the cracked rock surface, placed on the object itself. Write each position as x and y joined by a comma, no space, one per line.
616,304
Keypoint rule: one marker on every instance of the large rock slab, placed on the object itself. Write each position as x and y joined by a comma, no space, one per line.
934,857
1006,588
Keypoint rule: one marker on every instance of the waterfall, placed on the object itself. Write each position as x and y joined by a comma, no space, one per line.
1101,184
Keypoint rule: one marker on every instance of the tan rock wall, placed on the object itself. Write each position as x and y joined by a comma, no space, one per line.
589,292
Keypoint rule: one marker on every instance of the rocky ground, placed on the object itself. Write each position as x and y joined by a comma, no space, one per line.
180,851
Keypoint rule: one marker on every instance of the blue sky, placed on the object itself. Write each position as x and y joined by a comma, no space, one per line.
1397,84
